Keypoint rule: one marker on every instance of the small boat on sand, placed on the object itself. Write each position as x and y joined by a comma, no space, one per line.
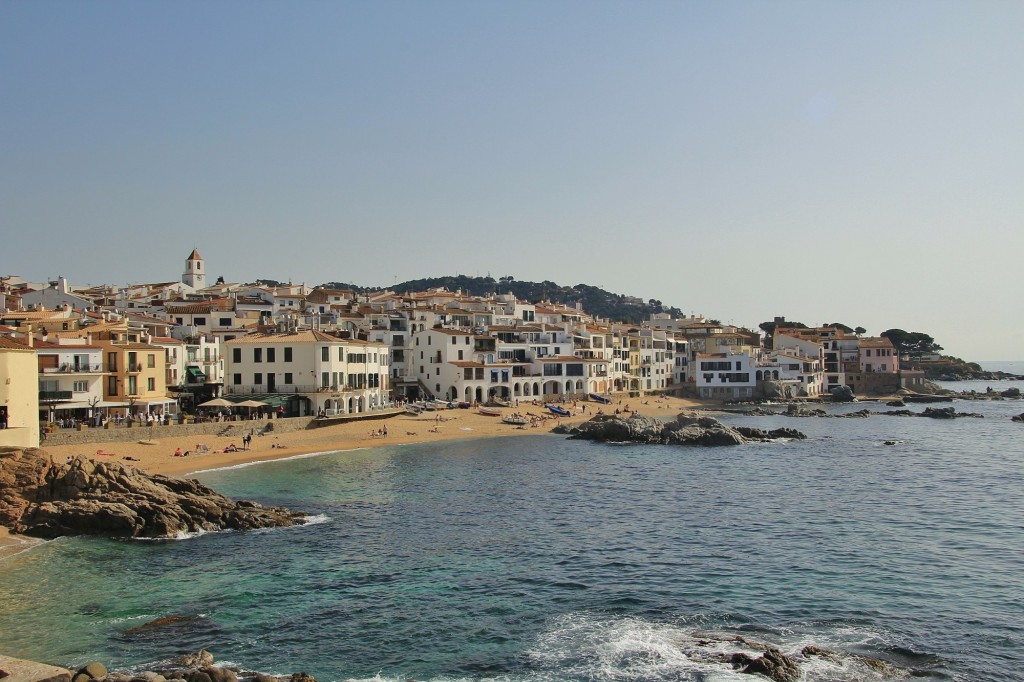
560,411
515,419
488,412
599,398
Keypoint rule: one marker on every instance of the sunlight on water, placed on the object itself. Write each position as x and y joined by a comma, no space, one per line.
541,559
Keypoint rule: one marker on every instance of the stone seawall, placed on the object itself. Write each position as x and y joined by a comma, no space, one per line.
129,435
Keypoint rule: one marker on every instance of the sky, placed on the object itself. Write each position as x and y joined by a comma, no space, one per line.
826,161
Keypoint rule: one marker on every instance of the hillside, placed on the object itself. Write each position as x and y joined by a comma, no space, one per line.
594,300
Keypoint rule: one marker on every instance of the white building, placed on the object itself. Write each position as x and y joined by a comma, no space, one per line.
70,380
307,371
726,376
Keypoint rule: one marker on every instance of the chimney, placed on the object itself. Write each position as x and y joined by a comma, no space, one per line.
31,339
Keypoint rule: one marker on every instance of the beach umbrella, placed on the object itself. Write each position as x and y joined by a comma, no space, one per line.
217,402
251,403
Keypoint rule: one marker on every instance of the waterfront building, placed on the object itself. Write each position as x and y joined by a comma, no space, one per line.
19,393
307,371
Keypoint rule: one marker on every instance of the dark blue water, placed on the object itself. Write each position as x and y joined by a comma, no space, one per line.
538,558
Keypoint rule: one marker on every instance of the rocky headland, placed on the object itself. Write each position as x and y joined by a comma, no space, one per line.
688,428
46,499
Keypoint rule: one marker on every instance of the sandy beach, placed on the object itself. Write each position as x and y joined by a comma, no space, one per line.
159,457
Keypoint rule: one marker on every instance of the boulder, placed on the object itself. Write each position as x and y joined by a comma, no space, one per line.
842,394
774,665
200,659
95,670
218,674
1018,418
1011,393
84,497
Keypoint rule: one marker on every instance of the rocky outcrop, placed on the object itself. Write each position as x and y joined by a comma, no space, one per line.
842,394
688,428
45,499
774,665
1018,418
197,667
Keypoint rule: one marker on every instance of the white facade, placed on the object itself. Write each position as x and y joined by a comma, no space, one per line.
70,379
339,376
726,376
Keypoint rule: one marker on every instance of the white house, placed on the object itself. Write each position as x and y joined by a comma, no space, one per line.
307,371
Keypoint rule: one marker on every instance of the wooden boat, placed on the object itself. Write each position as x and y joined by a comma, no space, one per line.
515,419
599,398
488,412
560,411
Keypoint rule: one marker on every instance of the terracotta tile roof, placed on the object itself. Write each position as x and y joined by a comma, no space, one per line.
10,344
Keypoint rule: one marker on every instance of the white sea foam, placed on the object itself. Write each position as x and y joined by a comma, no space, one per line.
315,519
592,647
182,535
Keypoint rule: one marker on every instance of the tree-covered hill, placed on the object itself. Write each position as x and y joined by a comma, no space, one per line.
594,300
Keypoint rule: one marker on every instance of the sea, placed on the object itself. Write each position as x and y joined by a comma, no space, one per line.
540,559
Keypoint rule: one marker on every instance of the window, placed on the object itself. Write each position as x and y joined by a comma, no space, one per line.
111,385
325,379
456,340
151,360
199,321
325,354
257,378
80,386
225,321
574,370
179,320
270,354
133,385
288,377
257,355
236,355
460,355
237,379
288,354
150,384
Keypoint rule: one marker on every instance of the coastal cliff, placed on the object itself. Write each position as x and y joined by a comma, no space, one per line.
46,499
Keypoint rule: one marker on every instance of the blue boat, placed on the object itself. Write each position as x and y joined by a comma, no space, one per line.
560,411
599,398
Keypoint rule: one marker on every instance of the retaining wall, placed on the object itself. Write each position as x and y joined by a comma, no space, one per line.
123,434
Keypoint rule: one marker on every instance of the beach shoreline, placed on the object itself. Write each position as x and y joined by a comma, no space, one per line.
158,457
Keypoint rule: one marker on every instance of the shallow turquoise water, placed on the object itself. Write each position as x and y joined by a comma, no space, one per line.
538,558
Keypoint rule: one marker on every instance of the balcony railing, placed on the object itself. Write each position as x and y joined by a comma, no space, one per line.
51,396
71,369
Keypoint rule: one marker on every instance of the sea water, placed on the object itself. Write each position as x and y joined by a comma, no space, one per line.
537,558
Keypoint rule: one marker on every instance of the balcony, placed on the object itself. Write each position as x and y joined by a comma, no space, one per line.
73,369
53,396
134,368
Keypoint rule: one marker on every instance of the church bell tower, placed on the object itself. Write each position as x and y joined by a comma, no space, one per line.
195,274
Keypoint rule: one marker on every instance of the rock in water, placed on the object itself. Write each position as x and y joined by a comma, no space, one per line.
83,497
687,429
842,394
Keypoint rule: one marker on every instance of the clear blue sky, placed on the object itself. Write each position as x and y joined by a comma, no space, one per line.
856,162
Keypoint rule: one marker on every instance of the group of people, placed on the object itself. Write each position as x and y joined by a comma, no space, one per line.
379,433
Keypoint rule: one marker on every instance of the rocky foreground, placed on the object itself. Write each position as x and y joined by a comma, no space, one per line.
46,499
688,428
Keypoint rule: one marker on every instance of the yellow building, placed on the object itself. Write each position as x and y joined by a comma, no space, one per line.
19,395
136,377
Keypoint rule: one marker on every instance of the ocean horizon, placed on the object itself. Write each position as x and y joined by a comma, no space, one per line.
536,558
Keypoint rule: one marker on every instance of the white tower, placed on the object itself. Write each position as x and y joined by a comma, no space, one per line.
195,275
